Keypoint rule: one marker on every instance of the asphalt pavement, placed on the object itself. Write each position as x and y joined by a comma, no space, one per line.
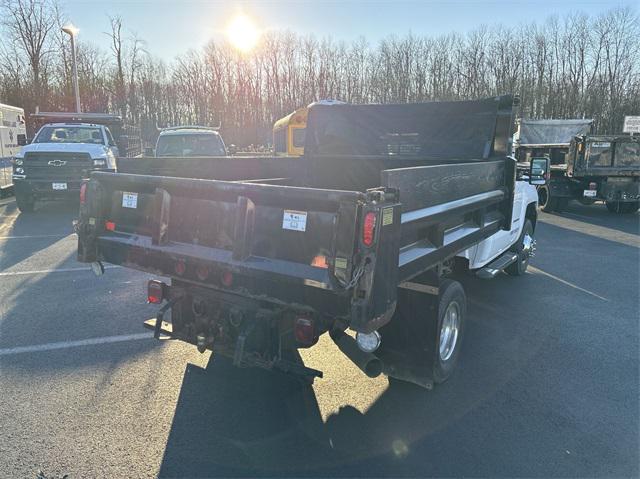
547,386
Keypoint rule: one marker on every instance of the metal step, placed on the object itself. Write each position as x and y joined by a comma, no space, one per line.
497,265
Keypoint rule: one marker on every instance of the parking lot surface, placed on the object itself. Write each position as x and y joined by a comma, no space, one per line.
548,383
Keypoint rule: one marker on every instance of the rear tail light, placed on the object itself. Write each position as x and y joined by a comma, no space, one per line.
83,193
227,278
155,291
109,226
593,185
304,330
369,228
180,267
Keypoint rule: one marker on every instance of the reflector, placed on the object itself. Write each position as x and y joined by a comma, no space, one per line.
304,331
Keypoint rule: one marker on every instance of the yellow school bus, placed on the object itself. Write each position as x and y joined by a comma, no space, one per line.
288,133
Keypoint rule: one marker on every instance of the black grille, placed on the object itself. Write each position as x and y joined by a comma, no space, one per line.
57,166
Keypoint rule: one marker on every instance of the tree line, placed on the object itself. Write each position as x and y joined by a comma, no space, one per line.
579,66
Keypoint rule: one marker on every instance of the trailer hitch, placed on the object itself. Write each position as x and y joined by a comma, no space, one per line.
158,326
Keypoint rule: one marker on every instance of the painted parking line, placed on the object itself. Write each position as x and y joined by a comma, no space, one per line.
36,348
567,283
58,270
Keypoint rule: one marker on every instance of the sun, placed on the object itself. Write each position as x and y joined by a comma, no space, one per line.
242,33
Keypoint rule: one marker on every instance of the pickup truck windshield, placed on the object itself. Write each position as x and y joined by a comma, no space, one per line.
70,134
190,145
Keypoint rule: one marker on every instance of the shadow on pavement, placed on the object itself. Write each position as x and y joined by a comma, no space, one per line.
598,215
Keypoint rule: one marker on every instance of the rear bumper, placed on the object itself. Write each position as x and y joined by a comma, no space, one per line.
44,188
620,189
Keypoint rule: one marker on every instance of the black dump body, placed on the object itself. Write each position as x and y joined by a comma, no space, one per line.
604,155
552,138
433,179
126,136
610,162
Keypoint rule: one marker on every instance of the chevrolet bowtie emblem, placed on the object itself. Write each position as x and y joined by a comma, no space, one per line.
57,162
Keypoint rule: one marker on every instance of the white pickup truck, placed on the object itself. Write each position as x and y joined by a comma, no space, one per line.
60,156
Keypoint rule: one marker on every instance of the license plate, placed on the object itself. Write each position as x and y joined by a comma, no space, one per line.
59,186
590,193
129,200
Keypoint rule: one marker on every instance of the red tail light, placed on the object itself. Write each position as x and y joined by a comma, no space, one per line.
227,278
304,330
155,291
180,267
369,229
83,193
109,226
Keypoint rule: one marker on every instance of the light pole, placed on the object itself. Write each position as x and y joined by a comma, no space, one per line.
72,32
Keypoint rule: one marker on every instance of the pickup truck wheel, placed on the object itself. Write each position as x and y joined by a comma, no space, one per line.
452,309
524,248
546,202
25,204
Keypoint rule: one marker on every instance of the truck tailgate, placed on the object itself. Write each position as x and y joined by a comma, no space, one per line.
207,227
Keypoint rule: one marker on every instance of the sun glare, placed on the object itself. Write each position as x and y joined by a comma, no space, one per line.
242,33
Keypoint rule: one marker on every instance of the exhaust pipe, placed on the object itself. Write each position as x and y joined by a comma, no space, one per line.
367,362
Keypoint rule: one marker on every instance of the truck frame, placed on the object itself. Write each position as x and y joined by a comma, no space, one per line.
365,232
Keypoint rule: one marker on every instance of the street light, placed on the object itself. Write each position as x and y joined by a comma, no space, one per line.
72,31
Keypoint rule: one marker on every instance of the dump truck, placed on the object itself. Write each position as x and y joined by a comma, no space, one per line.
360,238
598,167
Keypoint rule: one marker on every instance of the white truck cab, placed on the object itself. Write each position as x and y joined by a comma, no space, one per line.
511,250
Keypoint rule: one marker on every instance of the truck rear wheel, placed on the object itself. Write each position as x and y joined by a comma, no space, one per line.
452,310
25,204
546,202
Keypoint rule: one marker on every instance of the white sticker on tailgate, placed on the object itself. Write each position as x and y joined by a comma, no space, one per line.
129,200
294,220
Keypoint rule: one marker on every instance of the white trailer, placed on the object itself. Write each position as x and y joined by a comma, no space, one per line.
13,134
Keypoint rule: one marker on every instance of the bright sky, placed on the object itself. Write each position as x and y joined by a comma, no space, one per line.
171,27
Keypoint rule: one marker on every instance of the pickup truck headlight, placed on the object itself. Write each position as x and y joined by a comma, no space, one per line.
20,171
100,162
17,161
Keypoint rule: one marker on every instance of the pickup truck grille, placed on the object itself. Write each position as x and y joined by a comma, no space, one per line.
57,166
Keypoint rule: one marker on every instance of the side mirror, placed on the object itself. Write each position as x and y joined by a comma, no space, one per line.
149,152
539,171
22,140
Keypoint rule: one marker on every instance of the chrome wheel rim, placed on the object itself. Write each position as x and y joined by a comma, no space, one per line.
528,247
449,331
